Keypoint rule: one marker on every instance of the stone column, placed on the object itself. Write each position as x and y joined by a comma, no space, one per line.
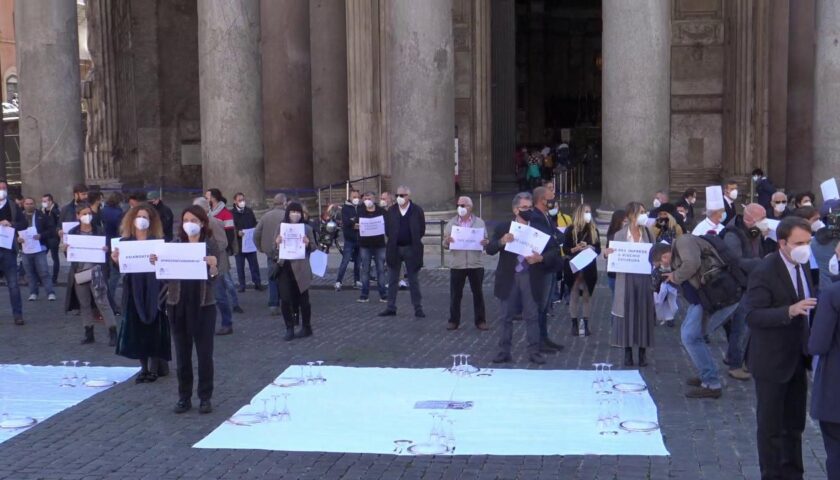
636,99
800,97
230,92
287,93
329,91
827,93
362,108
421,111
503,65
51,117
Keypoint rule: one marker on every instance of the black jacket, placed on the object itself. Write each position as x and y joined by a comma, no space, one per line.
765,190
731,212
749,260
417,224
243,220
349,219
15,216
505,270
68,213
45,226
167,219
777,342
590,272
825,342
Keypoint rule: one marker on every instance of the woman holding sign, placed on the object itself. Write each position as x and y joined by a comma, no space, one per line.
581,236
87,289
633,310
191,307
144,332
293,273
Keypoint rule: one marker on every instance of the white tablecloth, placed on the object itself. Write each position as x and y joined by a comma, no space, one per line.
29,391
516,412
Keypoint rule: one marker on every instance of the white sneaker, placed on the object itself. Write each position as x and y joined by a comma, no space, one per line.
363,300
358,284
337,286
403,284
33,297
51,297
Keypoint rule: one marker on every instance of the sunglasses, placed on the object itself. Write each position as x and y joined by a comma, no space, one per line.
463,206
780,203
402,195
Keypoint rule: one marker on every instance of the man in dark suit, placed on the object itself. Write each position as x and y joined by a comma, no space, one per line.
825,342
779,302
405,225
520,280
542,222
11,217
730,196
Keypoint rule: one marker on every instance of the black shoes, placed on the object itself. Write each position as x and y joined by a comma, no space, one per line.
585,321
205,407
112,336
502,357
642,359
703,392
18,320
553,345
224,331
419,313
387,313
575,328
238,309
88,336
258,287
628,357
305,331
537,358
290,334
183,406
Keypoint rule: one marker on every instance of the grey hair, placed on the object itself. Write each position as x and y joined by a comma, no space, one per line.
540,193
369,194
280,200
521,196
404,187
467,199
203,203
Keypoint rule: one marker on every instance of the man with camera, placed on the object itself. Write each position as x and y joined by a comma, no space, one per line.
712,283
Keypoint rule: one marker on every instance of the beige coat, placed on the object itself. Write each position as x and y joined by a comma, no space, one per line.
460,259
621,278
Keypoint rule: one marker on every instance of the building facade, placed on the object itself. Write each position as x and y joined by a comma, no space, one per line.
259,95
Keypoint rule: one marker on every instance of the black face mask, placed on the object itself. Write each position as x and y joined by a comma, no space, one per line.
754,232
526,215
662,223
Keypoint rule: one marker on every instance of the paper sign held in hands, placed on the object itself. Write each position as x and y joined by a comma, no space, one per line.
582,260
292,246
526,240
465,238
134,255
85,248
318,263
629,257
7,236
371,227
180,261
829,189
248,245
30,244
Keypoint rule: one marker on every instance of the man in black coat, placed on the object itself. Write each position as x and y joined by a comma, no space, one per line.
11,217
68,212
520,280
405,226
764,188
167,218
779,302
542,222
243,219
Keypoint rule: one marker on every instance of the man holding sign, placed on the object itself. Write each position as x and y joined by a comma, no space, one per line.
519,280
33,240
11,220
465,237
372,246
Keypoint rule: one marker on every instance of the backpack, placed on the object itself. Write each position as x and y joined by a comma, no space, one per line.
534,171
722,281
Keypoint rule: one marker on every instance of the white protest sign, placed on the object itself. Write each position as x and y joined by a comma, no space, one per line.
30,244
66,227
85,248
526,240
465,238
371,227
829,189
292,246
7,236
134,255
582,260
115,243
318,263
629,257
773,225
180,261
248,245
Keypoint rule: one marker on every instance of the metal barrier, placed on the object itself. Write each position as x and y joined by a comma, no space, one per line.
326,193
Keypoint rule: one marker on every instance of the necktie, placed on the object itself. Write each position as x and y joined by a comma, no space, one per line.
800,289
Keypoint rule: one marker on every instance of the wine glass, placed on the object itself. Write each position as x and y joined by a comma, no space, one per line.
319,377
265,416
454,363
309,377
285,415
433,433
275,414
65,379
74,377
608,377
450,436
302,375
84,373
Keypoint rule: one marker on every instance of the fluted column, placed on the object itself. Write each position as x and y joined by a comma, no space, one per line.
51,118
230,93
362,70
827,93
636,99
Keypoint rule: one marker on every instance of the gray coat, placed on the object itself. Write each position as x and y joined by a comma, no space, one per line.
460,259
621,278
218,228
264,234
301,268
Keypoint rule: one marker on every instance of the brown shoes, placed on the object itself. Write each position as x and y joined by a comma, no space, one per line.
18,320
482,326
452,326
703,392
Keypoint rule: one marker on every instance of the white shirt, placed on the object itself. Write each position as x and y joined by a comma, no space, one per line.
703,227
403,211
792,272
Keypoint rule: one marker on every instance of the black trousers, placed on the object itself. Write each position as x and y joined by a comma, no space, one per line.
288,309
831,439
201,333
457,278
780,414
56,263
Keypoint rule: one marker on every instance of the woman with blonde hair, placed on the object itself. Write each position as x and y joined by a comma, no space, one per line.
144,330
666,228
580,236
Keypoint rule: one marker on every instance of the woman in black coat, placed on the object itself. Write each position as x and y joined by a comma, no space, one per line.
581,236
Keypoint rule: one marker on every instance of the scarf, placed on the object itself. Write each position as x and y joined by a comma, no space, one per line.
218,208
145,291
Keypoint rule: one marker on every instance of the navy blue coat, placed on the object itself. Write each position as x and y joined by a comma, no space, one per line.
825,342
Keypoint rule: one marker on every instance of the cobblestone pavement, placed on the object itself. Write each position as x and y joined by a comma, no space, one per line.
130,432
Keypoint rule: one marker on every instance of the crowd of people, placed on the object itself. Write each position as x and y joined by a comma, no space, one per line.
760,271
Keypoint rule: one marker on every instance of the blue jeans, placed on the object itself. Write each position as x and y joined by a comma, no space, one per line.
611,283
220,291
691,333
231,289
351,251
378,255
253,265
9,267
36,268
273,293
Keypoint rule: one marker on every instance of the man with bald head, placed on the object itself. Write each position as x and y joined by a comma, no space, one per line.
465,265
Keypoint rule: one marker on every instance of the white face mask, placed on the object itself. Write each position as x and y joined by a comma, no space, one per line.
817,226
762,225
401,201
807,203
45,205
462,211
354,201
642,219
294,217
756,178
801,254
553,212
3,194
383,203
86,219
733,194
780,207
241,204
191,229
834,266
587,217
691,201
368,203
656,203
141,223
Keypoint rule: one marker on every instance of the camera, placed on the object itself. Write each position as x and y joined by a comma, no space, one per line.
832,224
657,276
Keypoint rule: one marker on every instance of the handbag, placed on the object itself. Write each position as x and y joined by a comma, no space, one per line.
83,277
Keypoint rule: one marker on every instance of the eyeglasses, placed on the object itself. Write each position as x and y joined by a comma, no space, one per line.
402,195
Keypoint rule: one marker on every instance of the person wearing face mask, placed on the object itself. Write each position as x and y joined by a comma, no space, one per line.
764,188
12,217
294,278
350,232
730,196
803,199
541,220
220,290
666,228
243,219
386,200
219,211
465,265
780,299
68,212
167,218
659,199
689,198
581,236
144,329
87,289
48,207
192,313
780,206
35,263
372,248
405,226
